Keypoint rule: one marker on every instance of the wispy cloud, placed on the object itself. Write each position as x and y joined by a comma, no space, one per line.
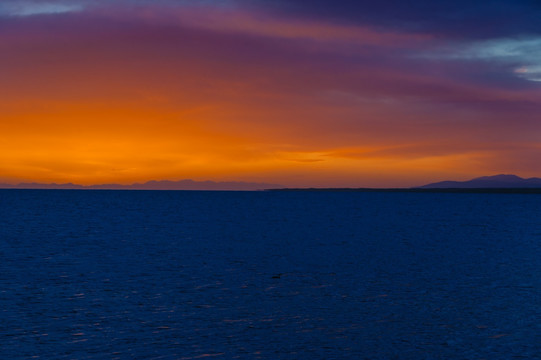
521,55
30,8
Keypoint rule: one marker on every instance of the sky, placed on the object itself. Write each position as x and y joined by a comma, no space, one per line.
327,93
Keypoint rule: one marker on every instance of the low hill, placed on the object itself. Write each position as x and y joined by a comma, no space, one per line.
488,182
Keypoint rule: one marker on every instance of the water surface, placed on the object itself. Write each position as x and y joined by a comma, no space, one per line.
270,275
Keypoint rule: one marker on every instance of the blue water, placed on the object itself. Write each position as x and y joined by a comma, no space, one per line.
269,275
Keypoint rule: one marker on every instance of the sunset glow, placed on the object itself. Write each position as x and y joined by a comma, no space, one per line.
99,92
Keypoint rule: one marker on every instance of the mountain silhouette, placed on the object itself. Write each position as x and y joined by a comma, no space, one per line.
491,182
153,185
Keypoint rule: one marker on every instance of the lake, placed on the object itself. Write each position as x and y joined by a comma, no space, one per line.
269,275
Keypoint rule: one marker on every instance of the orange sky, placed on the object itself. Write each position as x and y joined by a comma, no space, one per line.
107,95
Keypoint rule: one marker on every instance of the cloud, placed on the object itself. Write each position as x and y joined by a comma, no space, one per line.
30,8
459,19
519,56
254,23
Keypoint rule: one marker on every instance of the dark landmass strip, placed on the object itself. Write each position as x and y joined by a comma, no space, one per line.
153,185
424,190
498,184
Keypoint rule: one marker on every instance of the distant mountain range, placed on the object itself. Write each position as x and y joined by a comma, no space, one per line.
153,185
488,182
485,182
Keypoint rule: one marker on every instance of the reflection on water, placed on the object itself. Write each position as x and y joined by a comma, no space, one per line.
194,275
